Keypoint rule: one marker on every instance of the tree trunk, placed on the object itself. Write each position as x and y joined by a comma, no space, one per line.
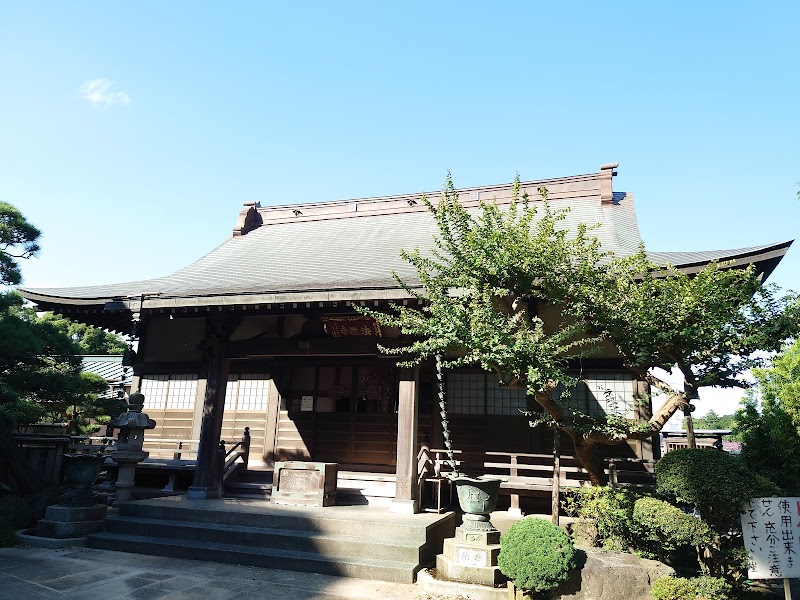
555,509
589,459
26,479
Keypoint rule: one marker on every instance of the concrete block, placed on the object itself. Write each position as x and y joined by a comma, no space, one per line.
477,555
490,576
477,537
65,514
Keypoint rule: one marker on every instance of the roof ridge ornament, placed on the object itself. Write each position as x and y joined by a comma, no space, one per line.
249,219
606,173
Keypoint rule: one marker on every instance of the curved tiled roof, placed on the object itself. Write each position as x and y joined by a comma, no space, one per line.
350,246
348,249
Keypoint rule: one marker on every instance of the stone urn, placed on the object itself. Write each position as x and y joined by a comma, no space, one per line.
80,473
477,497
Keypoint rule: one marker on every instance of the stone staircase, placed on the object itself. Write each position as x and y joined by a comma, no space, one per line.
353,541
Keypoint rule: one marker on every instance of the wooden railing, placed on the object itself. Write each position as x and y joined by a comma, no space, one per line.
43,453
523,472
240,451
86,444
181,449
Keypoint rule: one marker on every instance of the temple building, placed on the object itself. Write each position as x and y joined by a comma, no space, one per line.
262,333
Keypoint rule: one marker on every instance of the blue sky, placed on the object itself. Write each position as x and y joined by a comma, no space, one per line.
131,132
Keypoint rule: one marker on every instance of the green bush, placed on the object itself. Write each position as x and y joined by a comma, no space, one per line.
536,554
608,510
15,514
21,512
697,588
664,528
717,484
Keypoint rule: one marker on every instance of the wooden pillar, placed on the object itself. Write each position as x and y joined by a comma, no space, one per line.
207,476
272,418
199,406
406,498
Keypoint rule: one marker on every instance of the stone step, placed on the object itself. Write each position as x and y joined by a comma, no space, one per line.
236,488
338,520
252,476
385,570
273,538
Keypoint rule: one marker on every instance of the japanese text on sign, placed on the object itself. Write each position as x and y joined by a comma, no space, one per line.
771,530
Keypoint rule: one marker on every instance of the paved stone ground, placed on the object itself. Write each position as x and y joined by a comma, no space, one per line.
28,573
86,574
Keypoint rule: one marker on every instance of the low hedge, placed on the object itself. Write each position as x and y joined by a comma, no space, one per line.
696,588
716,483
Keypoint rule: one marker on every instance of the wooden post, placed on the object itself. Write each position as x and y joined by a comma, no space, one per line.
556,473
221,455
178,451
612,474
246,446
272,418
514,510
406,498
207,481
687,414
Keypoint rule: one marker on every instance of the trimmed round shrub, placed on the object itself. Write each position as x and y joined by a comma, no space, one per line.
536,555
697,588
716,483
667,527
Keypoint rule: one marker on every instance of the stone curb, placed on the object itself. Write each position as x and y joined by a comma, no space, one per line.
29,538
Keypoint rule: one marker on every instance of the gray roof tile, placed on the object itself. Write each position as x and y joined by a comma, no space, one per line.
355,245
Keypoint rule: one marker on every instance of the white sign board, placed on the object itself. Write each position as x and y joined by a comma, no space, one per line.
306,403
771,529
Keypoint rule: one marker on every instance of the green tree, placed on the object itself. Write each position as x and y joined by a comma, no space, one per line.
37,364
17,240
90,340
711,420
490,269
780,383
40,370
770,436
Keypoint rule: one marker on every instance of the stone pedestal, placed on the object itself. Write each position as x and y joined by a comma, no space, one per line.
78,514
62,522
304,483
471,556
126,472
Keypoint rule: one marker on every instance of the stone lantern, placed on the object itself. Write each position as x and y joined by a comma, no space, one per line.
128,452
